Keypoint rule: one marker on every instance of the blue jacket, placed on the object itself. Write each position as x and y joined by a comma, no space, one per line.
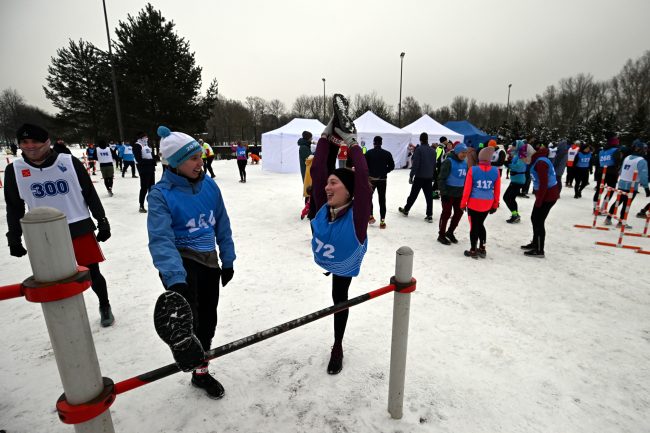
517,165
189,216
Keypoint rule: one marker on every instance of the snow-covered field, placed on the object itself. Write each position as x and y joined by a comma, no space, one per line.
504,344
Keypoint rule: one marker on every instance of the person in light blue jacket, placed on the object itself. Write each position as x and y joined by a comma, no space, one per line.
186,216
517,167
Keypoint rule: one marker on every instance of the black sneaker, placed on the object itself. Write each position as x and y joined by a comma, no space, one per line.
435,195
641,214
172,318
110,193
451,237
142,210
514,219
481,252
106,318
336,359
535,253
134,176
209,384
530,246
443,240
403,211
471,253
428,219
342,119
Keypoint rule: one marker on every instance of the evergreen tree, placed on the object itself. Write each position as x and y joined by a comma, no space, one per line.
158,79
78,84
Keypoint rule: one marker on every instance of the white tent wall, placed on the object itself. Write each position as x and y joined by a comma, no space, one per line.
394,139
434,129
280,146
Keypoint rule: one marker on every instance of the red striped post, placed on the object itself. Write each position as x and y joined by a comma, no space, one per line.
600,196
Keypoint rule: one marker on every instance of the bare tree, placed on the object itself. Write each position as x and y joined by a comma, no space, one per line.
460,107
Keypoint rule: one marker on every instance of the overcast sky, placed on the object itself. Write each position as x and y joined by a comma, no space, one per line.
281,49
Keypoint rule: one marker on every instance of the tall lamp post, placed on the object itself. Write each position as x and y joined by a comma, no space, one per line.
401,67
110,59
508,106
324,113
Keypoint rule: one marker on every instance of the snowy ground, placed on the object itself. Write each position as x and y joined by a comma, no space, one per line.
505,344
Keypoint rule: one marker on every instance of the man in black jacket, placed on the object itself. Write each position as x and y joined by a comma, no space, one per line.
421,177
146,165
43,177
380,163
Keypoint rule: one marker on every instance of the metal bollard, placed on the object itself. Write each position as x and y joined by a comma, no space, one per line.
399,343
51,257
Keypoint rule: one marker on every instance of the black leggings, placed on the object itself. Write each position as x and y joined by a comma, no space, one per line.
538,217
126,165
380,186
581,179
98,284
241,164
622,202
510,196
611,179
477,228
340,286
147,180
424,184
202,293
207,165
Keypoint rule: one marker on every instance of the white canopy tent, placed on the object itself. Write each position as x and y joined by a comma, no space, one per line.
431,127
280,146
394,139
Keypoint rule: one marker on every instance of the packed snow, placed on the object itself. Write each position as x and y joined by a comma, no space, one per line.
502,344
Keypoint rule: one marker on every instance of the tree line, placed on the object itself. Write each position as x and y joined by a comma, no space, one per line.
159,82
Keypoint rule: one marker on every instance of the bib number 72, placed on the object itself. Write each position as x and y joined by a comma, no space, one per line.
328,250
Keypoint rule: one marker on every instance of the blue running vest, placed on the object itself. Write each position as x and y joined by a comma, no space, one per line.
484,181
552,180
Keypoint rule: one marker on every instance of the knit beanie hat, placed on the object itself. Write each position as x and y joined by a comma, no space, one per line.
176,147
460,147
346,176
492,143
32,132
486,154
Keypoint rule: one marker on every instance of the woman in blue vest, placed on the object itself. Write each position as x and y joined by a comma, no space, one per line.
480,198
342,200
451,181
611,157
517,167
547,190
241,152
187,220
582,167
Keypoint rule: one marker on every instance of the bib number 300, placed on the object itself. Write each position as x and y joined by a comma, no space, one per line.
50,188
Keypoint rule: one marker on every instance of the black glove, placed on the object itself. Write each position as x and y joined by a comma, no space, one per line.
226,275
492,211
104,230
647,192
17,250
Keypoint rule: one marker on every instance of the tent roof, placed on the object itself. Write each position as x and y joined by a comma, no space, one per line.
297,126
430,126
464,127
370,122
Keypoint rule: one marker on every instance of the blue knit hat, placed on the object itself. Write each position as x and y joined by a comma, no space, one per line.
176,147
460,147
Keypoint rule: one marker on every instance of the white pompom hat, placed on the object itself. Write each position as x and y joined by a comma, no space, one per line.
176,147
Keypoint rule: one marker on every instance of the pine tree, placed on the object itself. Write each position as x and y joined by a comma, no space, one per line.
78,84
158,79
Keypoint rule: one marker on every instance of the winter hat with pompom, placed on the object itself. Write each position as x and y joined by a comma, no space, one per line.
176,147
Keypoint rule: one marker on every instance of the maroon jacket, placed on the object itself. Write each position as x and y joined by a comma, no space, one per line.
544,194
320,171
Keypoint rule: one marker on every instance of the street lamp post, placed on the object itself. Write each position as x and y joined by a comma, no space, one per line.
401,67
508,107
110,59
324,112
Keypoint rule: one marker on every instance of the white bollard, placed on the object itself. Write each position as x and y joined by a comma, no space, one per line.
52,259
399,343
